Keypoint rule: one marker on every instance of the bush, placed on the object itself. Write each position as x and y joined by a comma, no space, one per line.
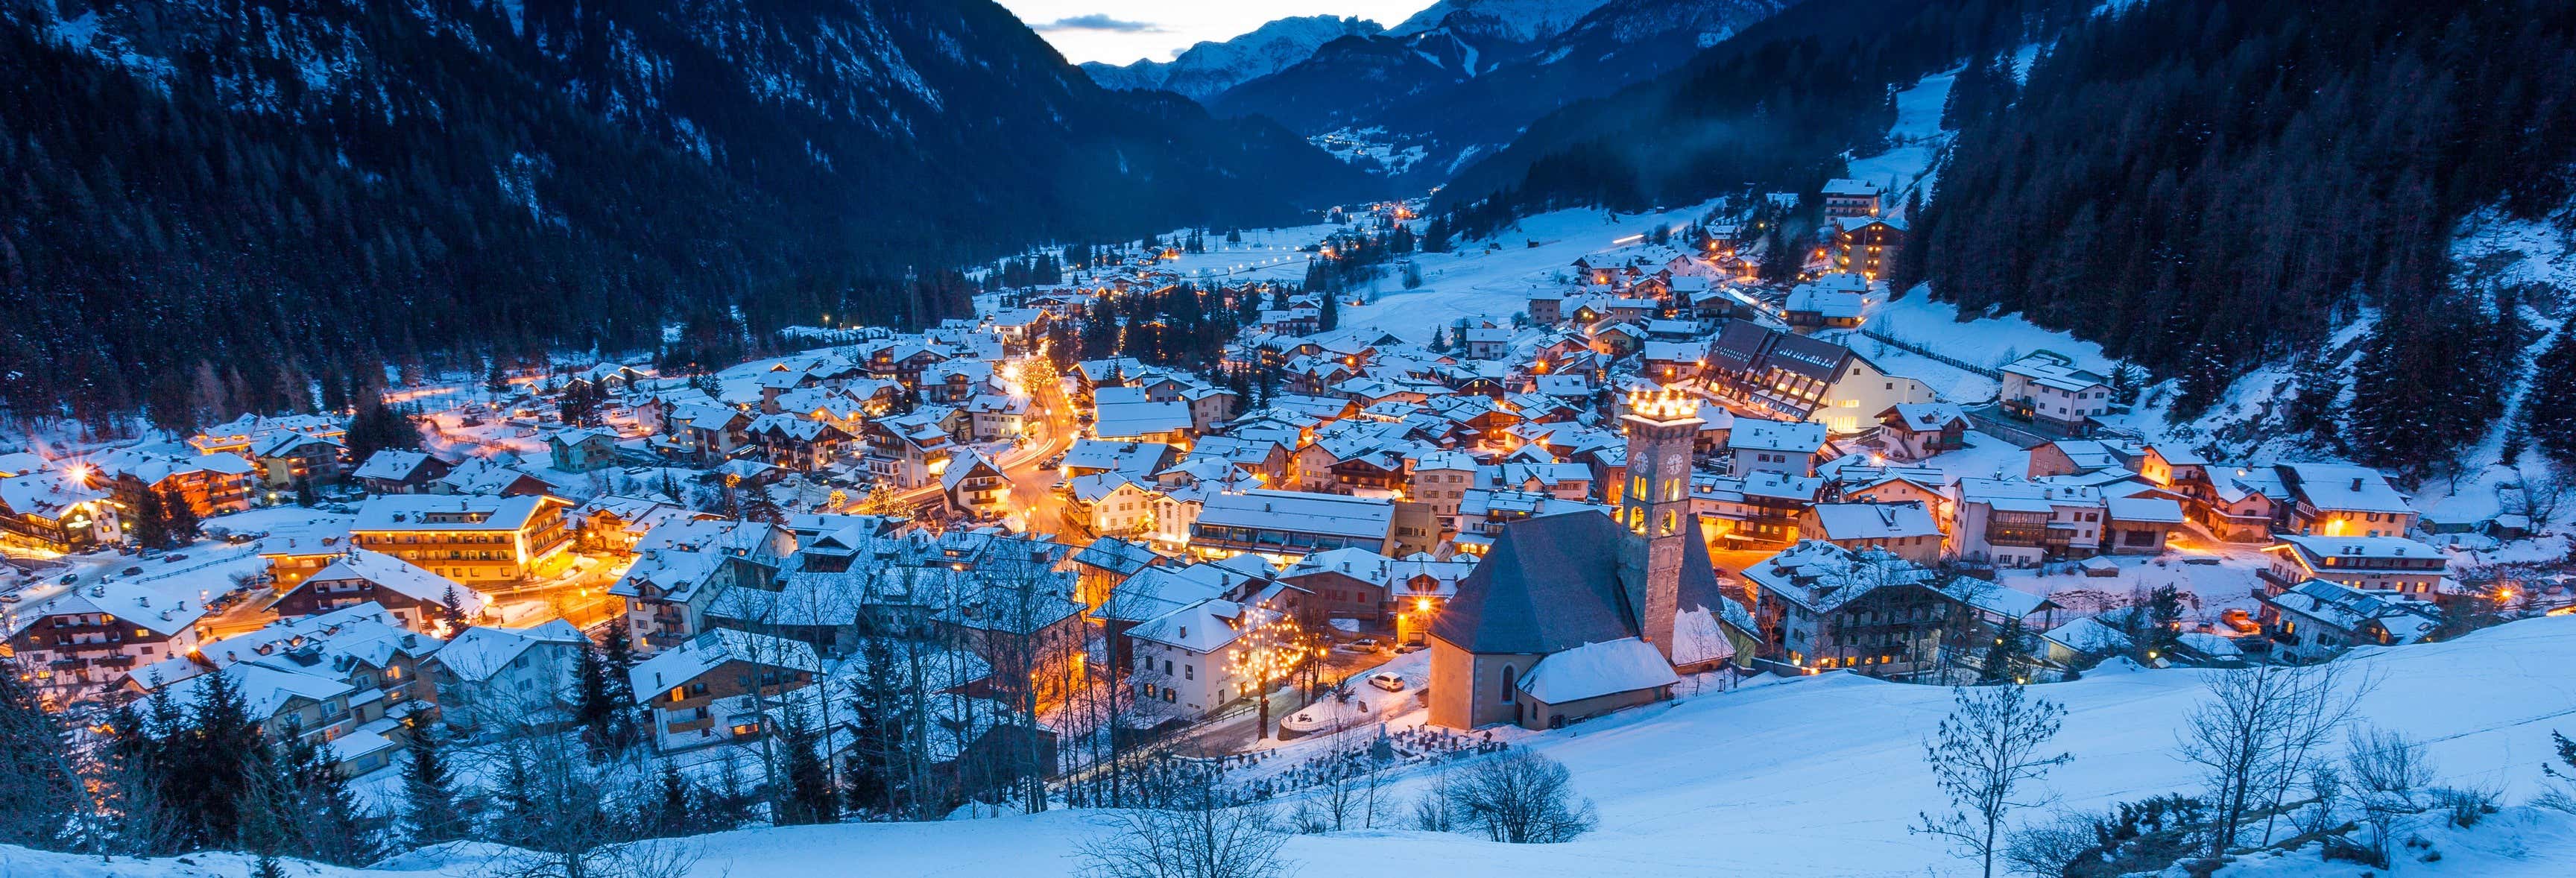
1520,797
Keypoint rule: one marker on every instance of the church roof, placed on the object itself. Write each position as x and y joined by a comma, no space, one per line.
1554,583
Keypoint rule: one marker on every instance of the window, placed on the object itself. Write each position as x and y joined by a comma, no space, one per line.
1189,672
1510,676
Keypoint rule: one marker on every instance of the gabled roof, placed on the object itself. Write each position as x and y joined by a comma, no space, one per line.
1596,669
402,577
1554,583
711,650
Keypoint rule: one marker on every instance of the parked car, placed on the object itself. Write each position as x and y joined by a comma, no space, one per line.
1386,680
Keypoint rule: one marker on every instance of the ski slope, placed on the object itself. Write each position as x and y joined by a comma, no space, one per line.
1816,776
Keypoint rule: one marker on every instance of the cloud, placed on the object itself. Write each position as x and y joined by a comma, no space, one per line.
1099,22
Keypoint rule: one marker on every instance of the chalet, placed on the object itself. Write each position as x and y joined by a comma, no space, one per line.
797,442
2318,618
1547,307
468,539
1776,446
1852,198
1184,659
2047,387
1821,304
2339,500
582,450
58,511
904,451
2139,525
1093,456
1125,415
1917,430
72,638
1867,245
422,601
289,458
1819,606
240,435
347,680
1755,509
1283,526
1107,561
707,432
1805,378
397,471
711,689
1906,530
210,484
500,476
1485,342
506,675
2018,523
975,486
2384,564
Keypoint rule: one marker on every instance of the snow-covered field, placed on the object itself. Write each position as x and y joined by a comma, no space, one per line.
1477,282
1815,776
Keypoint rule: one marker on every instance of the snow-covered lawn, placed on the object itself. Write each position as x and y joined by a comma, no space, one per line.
1811,776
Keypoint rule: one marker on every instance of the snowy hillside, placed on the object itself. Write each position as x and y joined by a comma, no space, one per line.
1807,776
1203,70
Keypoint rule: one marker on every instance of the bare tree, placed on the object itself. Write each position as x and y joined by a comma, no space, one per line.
567,816
2243,738
1986,752
2317,704
1520,797
2385,772
1199,832
1432,811
1340,796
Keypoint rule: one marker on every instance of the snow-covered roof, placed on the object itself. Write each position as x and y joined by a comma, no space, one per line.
391,464
1804,437
1333,514
402,577
1596,669
711,650
1874,521
2151,510
2342,488
482,651
447,512
1202,627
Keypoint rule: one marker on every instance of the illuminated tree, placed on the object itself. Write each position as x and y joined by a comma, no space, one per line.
1271,648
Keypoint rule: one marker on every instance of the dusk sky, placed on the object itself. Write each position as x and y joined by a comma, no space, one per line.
1120,31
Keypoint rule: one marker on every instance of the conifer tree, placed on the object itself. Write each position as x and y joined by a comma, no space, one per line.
179,519
43,805
431,805
810,797
151,521
2549,411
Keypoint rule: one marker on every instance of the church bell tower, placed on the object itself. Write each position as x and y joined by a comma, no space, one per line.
1654,506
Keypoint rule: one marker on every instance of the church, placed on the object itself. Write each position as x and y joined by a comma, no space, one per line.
1575,615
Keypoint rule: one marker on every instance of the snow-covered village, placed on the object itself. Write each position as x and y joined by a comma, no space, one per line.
1730,530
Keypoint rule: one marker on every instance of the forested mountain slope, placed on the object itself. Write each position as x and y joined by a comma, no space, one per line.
215,204
2205,185
1462,79
1775,106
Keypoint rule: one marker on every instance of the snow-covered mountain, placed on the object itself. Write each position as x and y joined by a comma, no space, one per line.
1211,67
1519,21
1463,77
